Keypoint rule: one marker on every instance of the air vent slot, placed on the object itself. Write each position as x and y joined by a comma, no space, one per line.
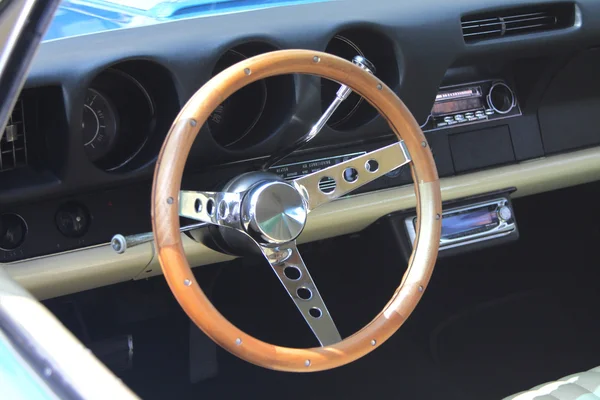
13,145
494,25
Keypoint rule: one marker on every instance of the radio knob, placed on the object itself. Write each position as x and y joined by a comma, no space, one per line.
504,213
72,220
501,98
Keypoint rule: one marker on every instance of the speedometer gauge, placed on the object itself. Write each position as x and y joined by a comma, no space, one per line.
98,125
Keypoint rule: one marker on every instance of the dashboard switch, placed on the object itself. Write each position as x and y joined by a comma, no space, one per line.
12,231
72,220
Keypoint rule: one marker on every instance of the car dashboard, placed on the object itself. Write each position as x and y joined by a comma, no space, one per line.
506,92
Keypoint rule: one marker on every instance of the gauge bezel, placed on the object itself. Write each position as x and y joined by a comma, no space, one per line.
259,85
134,114
373,45
276,105
111,124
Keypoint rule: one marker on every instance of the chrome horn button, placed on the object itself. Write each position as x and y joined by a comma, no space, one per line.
274,212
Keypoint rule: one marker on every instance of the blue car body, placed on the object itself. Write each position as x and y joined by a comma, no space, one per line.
80,17
17,379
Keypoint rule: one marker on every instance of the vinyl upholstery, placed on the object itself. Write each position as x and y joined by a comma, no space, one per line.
581,386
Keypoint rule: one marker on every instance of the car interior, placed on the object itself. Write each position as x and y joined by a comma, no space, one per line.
154,178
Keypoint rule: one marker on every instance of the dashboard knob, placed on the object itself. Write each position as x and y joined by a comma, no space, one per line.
504,213
12,231
501,98
72,220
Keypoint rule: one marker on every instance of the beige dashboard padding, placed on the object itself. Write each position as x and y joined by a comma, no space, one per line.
74,271
91,267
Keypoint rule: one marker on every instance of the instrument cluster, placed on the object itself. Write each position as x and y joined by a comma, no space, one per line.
123,107
255,112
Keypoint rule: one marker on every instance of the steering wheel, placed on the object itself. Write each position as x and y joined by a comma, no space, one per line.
262,209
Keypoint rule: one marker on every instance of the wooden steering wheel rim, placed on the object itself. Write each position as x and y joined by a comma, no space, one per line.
165,218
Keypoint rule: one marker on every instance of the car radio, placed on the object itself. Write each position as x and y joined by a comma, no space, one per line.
472,103
472,223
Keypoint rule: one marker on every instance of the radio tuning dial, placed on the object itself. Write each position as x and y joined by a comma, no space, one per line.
504,213
501,98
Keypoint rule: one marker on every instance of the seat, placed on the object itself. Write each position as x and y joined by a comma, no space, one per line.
581,386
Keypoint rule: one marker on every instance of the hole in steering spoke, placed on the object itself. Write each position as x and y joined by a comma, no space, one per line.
292,273
327,184
210,207
372,166
350,175
304,293
223,209
315,312
198,205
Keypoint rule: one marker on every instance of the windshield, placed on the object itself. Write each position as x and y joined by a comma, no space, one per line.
80,17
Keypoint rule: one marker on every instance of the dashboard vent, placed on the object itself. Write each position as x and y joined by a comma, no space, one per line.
13,145
494,25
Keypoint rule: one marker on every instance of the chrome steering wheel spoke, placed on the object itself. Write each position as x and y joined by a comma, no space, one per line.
293,274
350,175
218,208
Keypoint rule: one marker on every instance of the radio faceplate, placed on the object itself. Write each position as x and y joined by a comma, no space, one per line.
472,103
471,223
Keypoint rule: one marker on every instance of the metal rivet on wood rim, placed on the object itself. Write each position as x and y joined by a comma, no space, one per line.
307,363
247,71
187,282
379,86
193,122
316,59
420,288
170,200
423,144
437,216
238,341
373,342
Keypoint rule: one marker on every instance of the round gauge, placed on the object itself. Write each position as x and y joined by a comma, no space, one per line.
98,125
233,120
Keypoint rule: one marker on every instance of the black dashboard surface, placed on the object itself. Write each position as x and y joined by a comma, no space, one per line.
419,47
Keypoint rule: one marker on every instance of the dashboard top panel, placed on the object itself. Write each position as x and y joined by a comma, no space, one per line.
425,42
